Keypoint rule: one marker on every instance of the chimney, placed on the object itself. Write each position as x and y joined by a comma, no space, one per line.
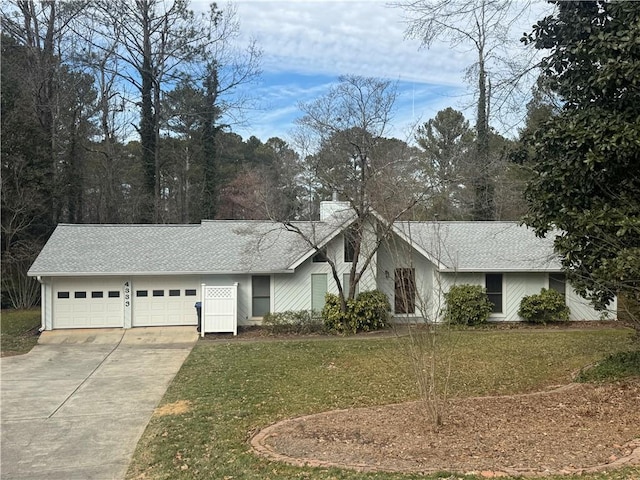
333,207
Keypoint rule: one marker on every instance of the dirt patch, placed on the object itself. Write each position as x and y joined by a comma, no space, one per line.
573,429
175,408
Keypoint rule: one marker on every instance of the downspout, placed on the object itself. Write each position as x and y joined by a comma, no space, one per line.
42,302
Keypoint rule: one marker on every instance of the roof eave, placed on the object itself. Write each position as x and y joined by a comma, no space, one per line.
151,274
500,270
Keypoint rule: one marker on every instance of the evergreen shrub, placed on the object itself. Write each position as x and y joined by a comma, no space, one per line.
544,307
467,305
367,312
300,322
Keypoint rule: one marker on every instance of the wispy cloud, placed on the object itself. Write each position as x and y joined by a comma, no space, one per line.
307,44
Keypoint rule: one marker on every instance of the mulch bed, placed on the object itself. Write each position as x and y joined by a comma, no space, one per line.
572,429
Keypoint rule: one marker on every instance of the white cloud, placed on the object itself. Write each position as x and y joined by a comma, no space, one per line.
335,38
307,44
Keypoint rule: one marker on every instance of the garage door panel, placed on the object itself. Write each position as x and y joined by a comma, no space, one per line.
87,303
166,302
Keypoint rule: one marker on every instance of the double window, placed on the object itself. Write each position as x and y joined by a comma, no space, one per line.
493,285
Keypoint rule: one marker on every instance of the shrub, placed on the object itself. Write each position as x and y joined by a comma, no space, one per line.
368,311
615,367
371,311
297,322
546,306
467,305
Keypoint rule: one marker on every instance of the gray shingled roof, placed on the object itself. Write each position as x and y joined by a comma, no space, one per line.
482,246
211,247
229,246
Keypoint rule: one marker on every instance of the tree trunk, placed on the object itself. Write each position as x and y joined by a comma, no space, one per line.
147,127
210,172
484,205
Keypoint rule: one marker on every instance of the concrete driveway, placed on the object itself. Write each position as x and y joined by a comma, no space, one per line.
76,405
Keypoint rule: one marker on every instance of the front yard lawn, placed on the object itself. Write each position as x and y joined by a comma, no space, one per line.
19,331
226,391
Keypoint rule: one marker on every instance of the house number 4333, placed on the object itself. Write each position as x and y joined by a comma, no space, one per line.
127,294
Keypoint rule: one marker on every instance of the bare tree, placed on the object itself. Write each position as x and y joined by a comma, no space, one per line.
158,44
349,157
485,26
427,339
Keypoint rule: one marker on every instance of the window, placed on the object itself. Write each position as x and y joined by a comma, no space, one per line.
493,284
558,282
63,294
80,295
96,294
260,295
405,290
321,256
114,294
142,293
158,293
174,293
349,245
190,293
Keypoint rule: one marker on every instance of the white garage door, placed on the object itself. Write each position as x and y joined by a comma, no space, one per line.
88,303
165,301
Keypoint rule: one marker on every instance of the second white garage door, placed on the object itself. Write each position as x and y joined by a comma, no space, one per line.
165,301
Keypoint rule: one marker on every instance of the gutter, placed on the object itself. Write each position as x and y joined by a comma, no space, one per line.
42,300
153,274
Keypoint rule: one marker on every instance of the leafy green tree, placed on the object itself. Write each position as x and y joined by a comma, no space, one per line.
586,159
446,142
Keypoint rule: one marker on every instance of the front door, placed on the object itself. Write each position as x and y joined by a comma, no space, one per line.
405,290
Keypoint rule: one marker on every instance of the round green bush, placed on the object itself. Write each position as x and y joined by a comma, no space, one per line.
467,305
544,307
367,312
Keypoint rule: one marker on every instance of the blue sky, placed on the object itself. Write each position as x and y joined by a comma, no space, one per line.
307,44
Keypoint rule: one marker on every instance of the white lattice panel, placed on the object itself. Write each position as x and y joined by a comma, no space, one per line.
218,292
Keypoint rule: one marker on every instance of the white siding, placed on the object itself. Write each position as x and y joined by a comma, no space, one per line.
47,303
293,291
581,309
396,253
445,280
517,286
514,287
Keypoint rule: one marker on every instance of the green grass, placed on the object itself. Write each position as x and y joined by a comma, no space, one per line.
236,388
19,331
